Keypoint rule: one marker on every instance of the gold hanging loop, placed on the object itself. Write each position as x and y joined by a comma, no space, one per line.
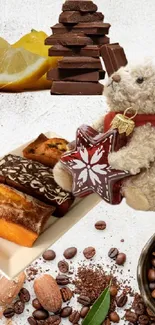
123,123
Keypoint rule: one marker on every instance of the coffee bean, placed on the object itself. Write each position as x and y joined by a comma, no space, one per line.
121,300
84,311
53,320
153,294
153,262
66,311
63,266
152,286
120,259
62,279
24,295
74,317
32,321
8,312
143,320
89,252
36,304
113,252
100,225
131,317
70,252
151,275
150,313
49,255
139,309
84,300
19,307
114,317
106,322
113,291
66,294
40,314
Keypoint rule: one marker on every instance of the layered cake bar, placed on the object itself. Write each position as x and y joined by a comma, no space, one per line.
34,179
22,218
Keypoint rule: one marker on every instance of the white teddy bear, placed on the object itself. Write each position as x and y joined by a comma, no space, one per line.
130,87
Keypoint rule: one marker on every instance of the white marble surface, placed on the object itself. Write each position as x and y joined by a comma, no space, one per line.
23,116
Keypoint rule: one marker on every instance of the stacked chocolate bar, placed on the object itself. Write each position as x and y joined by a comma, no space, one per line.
78,38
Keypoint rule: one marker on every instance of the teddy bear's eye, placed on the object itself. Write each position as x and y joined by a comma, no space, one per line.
140,80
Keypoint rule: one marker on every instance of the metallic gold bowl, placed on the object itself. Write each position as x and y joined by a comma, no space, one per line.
142,271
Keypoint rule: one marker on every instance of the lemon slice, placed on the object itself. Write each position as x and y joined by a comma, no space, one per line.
3,43
19,67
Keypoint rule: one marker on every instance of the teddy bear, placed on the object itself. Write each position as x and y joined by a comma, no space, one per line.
131,87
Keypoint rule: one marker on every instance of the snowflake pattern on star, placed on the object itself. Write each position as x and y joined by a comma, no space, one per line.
88,163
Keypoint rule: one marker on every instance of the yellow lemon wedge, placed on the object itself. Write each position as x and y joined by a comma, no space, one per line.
3,43
19,67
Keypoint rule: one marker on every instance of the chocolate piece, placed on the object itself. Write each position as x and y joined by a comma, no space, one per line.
80,63
89,50
70,252
35,179
49,255
76,88
69,39
75,75
78,5
100,40
93,28
74,17
114,57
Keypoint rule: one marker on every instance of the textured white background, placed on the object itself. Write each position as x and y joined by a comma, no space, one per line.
24,116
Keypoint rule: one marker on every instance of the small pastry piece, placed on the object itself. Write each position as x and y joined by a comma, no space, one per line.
22,218
34,179
9,289
46,151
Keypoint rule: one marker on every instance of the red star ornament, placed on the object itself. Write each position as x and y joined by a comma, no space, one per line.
88,164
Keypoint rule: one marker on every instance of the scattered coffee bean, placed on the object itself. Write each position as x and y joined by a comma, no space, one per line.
113,252
153,294
24,295
84,300
40,314
150,313
89,252
113,291
151,275
121,300
139,309
66,312
63,266
74,317
120,259
152,286
66,294
131,317
114,317
143,320
49,255
70,252
106,322
53,320
36,304
84,311
62,279
32,321
100,225
19,307
8,312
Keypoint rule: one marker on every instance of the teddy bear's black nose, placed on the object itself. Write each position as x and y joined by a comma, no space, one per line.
116,78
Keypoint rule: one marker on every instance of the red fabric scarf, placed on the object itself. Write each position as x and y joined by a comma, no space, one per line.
139,119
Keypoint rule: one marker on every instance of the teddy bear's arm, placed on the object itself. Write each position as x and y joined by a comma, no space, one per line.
139,152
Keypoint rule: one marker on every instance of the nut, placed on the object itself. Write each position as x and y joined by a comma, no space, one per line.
10,288
48,293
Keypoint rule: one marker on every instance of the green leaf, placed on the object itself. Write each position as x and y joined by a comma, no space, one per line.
99,310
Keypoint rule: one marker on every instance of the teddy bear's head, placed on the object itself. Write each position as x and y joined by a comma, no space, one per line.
132,86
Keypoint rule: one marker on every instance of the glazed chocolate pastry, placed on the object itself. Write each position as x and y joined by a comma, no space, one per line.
74,17
78,5
84,75
76,88
46,151
80,63
34,179
93,28
88,50
22,218
114,57
69,40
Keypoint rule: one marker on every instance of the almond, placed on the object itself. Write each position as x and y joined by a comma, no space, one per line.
48,293
9,289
